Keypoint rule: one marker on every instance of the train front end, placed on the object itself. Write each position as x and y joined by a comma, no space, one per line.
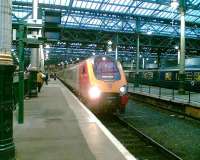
108,86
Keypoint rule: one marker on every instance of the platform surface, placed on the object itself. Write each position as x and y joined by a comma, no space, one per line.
58,127
192,98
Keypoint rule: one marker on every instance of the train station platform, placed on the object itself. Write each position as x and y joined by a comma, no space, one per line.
188,103
59,127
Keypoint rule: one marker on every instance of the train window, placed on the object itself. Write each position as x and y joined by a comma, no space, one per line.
106,69
189,76
197,76
148,75
168,76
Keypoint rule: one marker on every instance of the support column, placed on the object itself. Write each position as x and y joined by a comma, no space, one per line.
34,57
137,78
7,148
41,58
182,49
116,48
21,74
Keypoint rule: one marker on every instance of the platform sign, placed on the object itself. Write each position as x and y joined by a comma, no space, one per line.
52,25
53,17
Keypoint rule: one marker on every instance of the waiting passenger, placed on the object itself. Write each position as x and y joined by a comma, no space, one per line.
54,76
40,80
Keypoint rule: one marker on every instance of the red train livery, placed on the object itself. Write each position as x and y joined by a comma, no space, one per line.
100,80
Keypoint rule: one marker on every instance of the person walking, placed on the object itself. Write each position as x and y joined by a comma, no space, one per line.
39,80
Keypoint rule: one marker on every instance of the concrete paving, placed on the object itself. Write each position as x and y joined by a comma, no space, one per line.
57,128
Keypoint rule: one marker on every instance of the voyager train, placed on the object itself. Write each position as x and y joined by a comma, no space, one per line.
100,80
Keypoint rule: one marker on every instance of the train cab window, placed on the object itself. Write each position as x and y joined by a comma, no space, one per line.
106,69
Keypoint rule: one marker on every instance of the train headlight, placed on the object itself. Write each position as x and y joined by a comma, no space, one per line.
94,92
123,90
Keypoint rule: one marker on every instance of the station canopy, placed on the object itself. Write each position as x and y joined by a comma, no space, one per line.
155,17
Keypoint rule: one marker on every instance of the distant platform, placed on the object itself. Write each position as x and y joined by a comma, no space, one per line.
59,127
188,103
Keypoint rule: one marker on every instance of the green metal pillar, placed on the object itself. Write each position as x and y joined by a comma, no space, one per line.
116,47
34,57
182,49
7,148
21,73
137,76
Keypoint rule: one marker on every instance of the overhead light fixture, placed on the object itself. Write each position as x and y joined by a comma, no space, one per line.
109,49
47,46
174,4
149,32
176,47
109,42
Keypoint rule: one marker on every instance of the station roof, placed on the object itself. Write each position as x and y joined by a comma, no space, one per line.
154,17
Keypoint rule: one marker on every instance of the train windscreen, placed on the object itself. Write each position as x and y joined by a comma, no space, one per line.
106,69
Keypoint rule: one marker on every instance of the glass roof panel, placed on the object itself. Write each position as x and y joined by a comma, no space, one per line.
190,18
95,5
20,14
56,2
120,2
113,8
107,7
198,20
158,11
195,2
194,12
122,9
149,5
23,0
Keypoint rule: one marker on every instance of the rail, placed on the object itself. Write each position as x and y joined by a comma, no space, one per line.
141,145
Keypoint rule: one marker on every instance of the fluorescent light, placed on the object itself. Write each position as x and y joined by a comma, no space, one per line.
109,49
110,42
176,47
47,46
149,32
174,4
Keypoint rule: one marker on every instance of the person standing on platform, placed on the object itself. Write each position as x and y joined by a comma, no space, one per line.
46,78
39,80
54,76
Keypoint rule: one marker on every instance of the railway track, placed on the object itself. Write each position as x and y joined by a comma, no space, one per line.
139,144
